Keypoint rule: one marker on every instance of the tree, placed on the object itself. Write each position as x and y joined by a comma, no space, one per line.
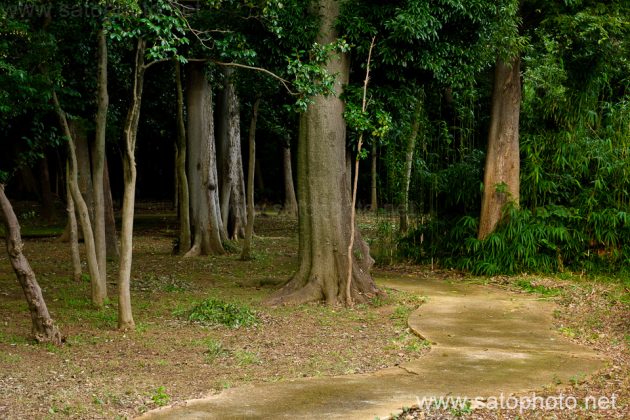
44,329
502,172
230,161
324,194
202,169
251,169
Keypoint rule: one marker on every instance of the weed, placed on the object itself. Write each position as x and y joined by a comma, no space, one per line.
529,287
214,350
217,312
160,397
85,277
246,358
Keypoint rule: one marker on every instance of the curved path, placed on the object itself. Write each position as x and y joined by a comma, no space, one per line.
486,342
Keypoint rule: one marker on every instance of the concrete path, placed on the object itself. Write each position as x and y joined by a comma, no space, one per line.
485,342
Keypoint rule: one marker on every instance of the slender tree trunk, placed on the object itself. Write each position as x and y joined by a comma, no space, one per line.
202,172
373,197
290,202
48,201
130,131
324,202
74,235
44,329
183,199
232,182
99,285
84,167
411,147
501,176
111,238
251,169
98,156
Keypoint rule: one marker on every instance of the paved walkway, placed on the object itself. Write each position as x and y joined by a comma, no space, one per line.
485,342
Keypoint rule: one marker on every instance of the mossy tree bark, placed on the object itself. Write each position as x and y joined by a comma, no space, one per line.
502,172
44,329
324,202
205,214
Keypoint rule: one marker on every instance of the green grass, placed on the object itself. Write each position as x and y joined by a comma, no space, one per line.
214,311
529,287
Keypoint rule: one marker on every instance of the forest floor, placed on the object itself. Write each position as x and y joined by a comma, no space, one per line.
102,373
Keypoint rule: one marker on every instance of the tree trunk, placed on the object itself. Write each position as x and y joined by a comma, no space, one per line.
98,156
130,131
373,197
48,201
251,168
74,235
232,183
44,329
324,196
84,167
501,177
411,147
111,239
99,285
202,167
183,199
290,202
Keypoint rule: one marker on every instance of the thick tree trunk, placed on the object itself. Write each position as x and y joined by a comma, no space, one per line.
44,329
202,167
251,169
411,147
74,235
99,285
98,156
290,202
111,238
324,202
373,196
48,201
501,178
231,178
183,199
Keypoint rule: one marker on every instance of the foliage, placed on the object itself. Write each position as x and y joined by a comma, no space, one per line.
214,311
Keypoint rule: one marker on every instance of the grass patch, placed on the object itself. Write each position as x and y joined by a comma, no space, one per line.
530,287
214,311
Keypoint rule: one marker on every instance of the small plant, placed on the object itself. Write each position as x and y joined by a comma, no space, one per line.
529,287
462,410
214,311
246,358
160,397
85,277
214,350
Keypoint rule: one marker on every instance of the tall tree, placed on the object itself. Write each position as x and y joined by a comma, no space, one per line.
324,194
183,196
202,173
98,155
502,172
231,176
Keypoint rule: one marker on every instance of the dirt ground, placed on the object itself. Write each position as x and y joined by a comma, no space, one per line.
103,373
